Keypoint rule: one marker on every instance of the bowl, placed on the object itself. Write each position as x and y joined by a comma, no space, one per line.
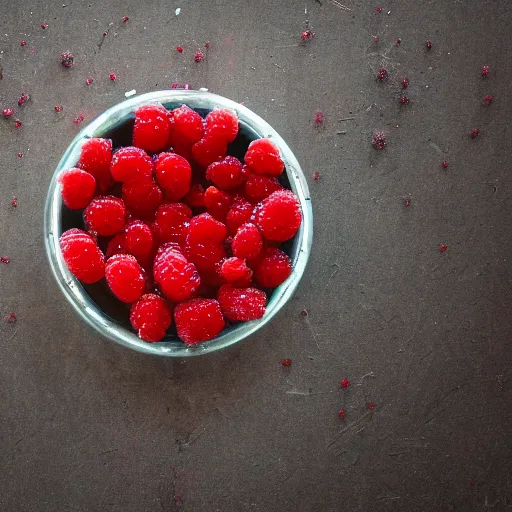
93,303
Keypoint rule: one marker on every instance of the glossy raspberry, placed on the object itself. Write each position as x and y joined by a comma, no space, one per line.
258,188
130,164
242,304
247,243
234,270
217,203
204,228
187,126
209,150
142,198
105,215
222,125
125,277
152,128
174,174
78,188
274,268
278,217
239,213
95,158
83,257
116,245
205,255
195,196
138,241
171,222
150,316
226,174
178,279
263,158
198,320
66,59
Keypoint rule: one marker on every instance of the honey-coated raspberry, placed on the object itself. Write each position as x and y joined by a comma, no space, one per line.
198,320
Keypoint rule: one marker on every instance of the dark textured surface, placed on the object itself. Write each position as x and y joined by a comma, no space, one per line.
89,426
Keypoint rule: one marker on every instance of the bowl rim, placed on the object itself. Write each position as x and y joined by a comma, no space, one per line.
72,289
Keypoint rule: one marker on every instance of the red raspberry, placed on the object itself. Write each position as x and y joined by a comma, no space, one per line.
242,304
278,216
177,278
105,215
161,157
125,277
258,188
174,174
172,222
138,241
226,174
131,164
274,268
263,158
239,213
186,126
152,128
204,228
150,316
234,270
222,125
217,203
198,320
247,243
83,257
116,245
95,158
209,150
205,255
78,188
142,197
195,196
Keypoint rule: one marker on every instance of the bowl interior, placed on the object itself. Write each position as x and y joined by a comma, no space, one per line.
94,302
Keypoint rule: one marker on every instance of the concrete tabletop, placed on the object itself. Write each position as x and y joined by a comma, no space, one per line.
423,336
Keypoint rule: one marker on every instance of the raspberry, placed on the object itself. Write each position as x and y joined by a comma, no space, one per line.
131,164
247,243
116,245
205,255
125,277
195,196
172,222
242,304
217,203
66,59
138,241
239,213
234,270
78,188
95,158
174,174
226,174
152,128
262,158
278,216
105,215
142,198
177,278
83,257
161,157
258,188
222,125
204,228
186,126
150,316
273,268
198,320
209,150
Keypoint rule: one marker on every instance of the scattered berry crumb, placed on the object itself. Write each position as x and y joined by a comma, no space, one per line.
488,99
443,247
341,414
125,19
20,155
485,71
398,41
378,9
105,34
316,175
23,43
303,313
474,133
23,98
112,76
66,59
404,100
207,44
286,362
44,25
10,318
175,85
186,86
407,202
14,202
199,56
370,406
404,82
179,49
382,75
379,140
319,118
78,119
58,108
345,383
17,123
375,39
7,112
428,44
444,164
4,259
89,81
307,35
